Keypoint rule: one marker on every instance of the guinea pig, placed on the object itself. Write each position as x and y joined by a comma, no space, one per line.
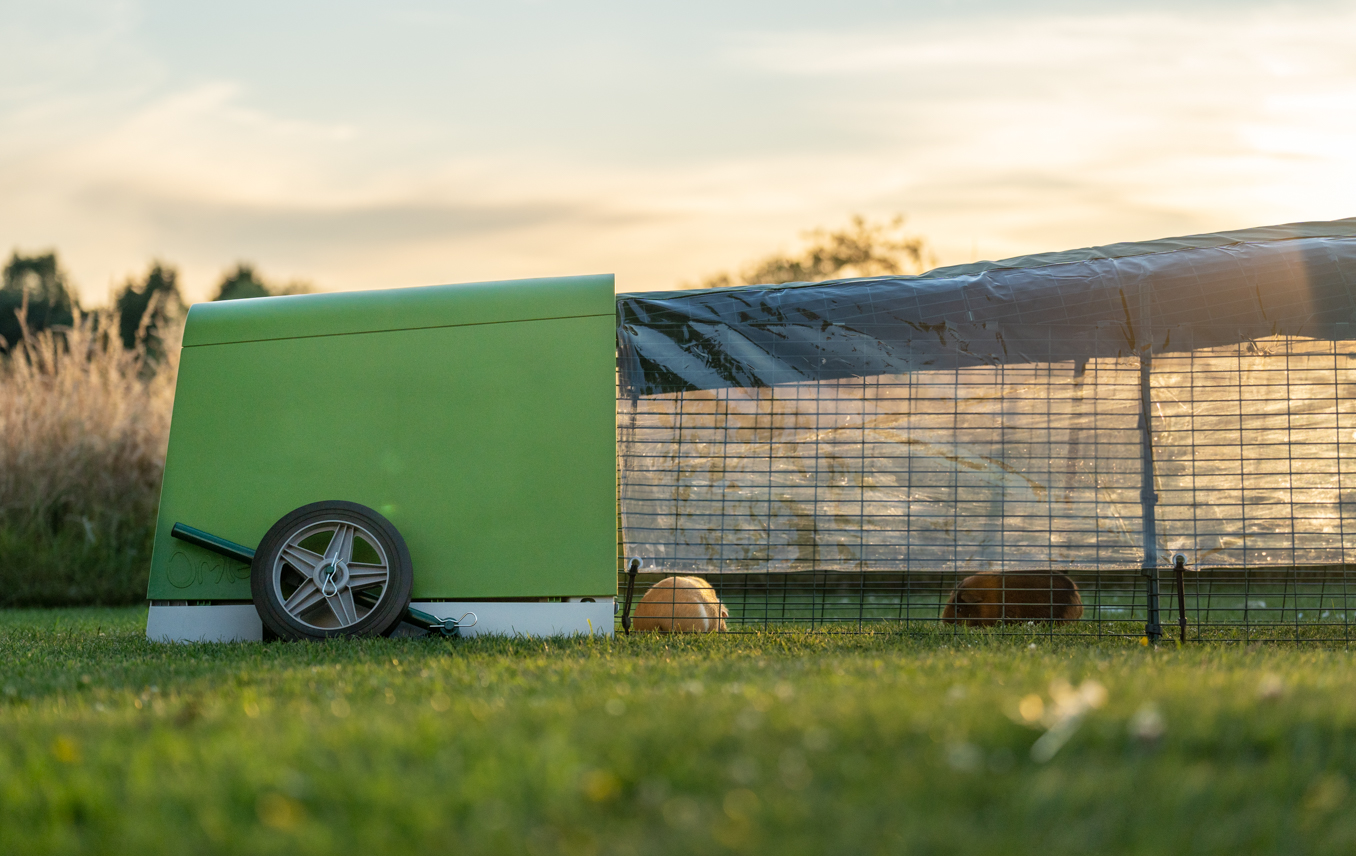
991,597
680,604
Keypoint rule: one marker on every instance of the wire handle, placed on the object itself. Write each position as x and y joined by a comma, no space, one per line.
440,626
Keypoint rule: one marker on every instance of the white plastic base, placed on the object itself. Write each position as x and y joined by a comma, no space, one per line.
236,622
528,619
224,622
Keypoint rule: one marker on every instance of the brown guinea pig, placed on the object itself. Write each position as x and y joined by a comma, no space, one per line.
991,597
680,603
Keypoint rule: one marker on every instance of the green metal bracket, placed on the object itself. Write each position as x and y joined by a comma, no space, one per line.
208,541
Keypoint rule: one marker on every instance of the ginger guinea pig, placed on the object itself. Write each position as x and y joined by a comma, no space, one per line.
685,604
991,597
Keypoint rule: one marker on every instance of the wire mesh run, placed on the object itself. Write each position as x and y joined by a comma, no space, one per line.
850,501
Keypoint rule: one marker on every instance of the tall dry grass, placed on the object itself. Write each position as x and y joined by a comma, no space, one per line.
84,424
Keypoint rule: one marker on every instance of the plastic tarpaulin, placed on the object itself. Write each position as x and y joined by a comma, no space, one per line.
1176,294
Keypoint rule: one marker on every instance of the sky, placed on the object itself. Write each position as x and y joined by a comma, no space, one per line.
373,145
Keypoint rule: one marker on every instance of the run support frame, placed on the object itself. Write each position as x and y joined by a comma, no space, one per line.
1147,495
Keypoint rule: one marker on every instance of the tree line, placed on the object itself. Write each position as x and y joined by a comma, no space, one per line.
143,306
861,248
36,288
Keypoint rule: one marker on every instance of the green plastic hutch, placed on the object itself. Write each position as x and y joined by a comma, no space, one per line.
476,420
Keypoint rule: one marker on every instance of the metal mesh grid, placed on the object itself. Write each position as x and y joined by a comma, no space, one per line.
847,501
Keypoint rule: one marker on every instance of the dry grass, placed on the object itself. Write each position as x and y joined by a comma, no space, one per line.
83,429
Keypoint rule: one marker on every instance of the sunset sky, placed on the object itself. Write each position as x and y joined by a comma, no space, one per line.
361,145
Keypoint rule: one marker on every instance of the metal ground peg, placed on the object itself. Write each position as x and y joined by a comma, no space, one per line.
1153,628
633,566
1179,569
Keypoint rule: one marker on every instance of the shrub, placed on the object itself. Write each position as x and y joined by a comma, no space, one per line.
34,295
145,307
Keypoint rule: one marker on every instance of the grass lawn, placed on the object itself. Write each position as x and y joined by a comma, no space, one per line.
781,743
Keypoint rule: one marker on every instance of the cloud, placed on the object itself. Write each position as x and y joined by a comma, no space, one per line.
1054,131
997,134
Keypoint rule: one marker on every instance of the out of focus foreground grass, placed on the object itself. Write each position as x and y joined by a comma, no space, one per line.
782,743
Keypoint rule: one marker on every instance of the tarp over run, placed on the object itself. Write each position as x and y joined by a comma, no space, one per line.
1167,295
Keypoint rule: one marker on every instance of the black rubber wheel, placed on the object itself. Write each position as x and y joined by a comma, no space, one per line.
331,568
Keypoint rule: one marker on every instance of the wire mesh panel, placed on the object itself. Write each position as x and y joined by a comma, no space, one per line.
1027,445
1254,460
850,500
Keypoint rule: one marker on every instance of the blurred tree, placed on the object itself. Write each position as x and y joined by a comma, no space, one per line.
244,282
861,249
241,283
50,302
145,308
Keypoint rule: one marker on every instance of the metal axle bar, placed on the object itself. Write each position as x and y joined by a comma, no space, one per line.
245,555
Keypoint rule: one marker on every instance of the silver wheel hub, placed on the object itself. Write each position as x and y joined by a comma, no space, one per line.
330,575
